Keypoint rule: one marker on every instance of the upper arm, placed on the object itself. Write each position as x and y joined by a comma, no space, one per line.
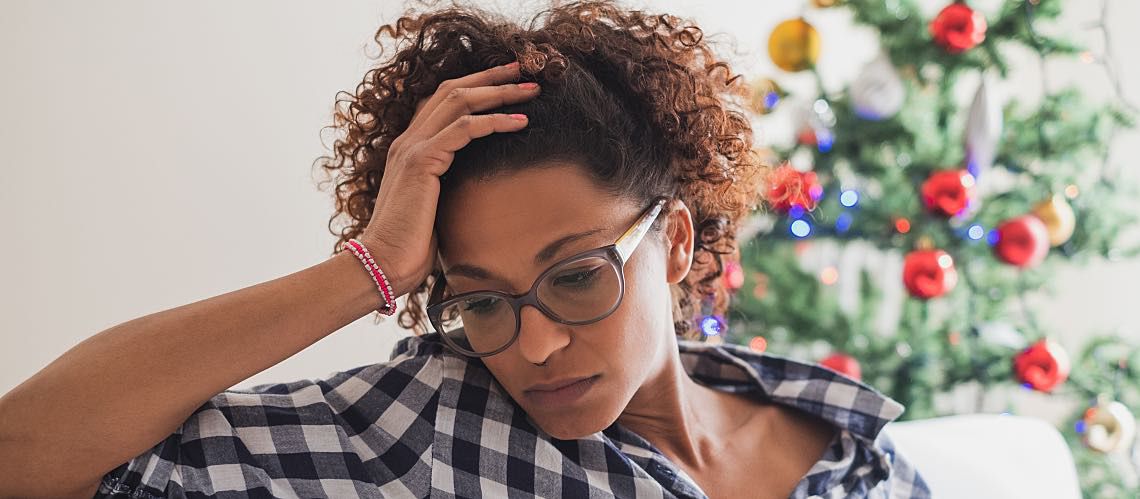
372,424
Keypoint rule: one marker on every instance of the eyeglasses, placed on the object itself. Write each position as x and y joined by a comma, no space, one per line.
582,289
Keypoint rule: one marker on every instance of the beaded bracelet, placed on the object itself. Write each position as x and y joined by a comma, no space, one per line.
378,276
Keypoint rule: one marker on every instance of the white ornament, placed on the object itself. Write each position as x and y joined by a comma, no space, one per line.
1003,334
814,123
983,130
878,92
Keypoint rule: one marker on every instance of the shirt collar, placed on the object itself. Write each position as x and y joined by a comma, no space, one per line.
842,401
837,399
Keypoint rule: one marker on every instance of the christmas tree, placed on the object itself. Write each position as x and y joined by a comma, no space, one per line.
978,202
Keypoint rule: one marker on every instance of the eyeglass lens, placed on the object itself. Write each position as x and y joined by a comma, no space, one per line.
578,291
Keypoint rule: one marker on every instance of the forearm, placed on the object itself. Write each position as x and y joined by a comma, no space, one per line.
121,391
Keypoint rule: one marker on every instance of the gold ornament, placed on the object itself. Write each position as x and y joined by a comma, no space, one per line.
764,95
1108,426
823,4
924,243
1060,221
794,45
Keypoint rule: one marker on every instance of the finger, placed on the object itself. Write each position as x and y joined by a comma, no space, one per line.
463,101
441,148
491,76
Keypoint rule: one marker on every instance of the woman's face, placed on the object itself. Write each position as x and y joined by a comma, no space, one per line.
501,224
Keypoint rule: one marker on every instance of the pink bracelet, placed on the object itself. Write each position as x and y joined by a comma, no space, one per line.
378,276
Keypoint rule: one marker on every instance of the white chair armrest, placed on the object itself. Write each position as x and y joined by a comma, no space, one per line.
988,455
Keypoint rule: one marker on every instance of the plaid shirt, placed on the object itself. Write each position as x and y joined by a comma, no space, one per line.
433,423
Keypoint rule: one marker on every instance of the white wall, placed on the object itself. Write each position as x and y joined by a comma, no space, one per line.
148,146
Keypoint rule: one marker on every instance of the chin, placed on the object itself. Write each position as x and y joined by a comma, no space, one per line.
574,421
571,426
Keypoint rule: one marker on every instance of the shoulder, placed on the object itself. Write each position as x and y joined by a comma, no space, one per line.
842,401
858,455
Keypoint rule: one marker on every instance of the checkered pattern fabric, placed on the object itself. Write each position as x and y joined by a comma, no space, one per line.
430,423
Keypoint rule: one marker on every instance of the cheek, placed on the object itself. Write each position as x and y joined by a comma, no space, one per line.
639,332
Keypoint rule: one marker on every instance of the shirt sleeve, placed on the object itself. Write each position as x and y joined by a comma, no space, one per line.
356,430
905,481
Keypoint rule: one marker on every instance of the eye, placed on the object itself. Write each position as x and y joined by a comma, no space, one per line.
479,306
578,279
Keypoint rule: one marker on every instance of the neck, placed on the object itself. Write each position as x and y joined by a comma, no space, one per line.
687,421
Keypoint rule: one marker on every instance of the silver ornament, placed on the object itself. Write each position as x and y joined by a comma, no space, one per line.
983,129
878,92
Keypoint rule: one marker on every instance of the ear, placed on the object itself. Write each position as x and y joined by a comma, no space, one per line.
679,240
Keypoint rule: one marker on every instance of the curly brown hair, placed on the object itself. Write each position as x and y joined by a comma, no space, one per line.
640,99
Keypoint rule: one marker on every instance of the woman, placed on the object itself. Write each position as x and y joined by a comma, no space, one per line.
563,196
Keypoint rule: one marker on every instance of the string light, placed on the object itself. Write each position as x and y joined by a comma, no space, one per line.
771,99
976,232
849,198
992,237
800,228
824,140
758,344
829,275
816,192
843,222
902,225
733,275
712,325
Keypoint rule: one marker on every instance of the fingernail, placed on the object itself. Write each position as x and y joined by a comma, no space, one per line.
530,85
520,117
511,65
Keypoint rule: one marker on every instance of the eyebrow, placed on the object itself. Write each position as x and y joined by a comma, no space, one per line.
545,255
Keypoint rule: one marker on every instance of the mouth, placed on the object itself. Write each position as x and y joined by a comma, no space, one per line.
561,392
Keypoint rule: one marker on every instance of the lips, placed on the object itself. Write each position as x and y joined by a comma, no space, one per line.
550,387
560,394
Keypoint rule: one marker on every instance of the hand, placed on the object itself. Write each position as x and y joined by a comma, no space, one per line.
401,233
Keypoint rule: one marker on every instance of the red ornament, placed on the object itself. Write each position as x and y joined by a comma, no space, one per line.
948,192
733,275
958,28
1042,366
1022,241
929,273
843,364
790,187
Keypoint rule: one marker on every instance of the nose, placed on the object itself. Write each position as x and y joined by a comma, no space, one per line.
539,335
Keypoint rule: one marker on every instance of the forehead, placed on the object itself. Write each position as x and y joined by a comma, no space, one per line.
500,224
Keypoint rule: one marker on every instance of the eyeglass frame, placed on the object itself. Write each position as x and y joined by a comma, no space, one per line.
616,253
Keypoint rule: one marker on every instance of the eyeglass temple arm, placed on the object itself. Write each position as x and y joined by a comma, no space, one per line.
628,241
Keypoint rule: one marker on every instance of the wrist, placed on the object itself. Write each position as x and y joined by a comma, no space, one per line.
366,298
386,258
385,281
